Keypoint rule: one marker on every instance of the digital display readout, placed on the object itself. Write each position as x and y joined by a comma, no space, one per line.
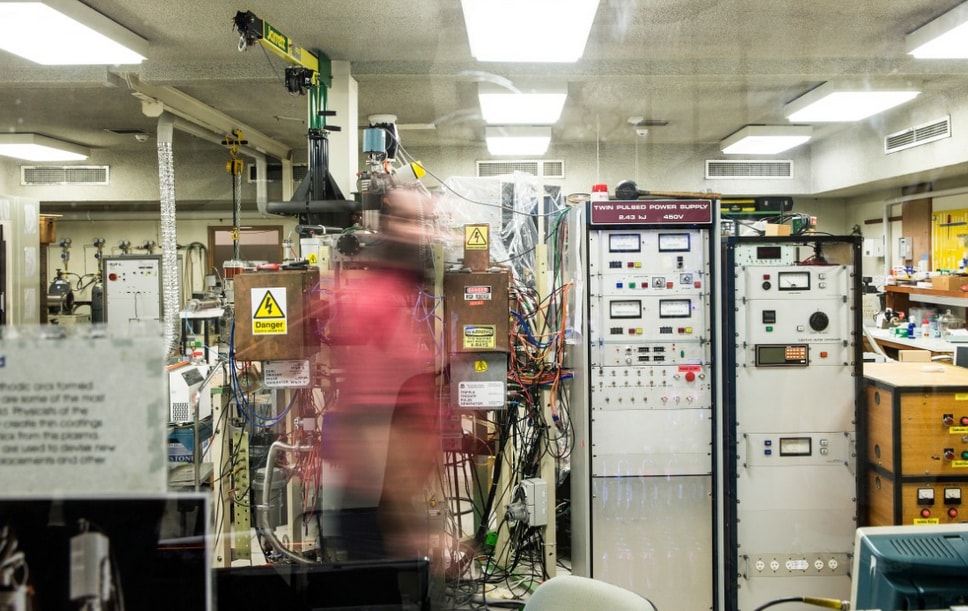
781,355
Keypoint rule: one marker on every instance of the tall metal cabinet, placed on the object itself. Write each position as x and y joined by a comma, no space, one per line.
643,502
793,369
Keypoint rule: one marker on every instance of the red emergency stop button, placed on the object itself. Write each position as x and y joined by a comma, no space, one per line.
690,376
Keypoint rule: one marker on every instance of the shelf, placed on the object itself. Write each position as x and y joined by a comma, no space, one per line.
956,299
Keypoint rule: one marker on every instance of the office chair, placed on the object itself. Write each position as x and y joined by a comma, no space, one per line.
573,593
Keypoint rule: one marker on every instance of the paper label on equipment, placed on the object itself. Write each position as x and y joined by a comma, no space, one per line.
479,337
477,293
286,374
480,394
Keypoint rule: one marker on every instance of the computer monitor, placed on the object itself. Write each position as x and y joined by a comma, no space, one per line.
910,567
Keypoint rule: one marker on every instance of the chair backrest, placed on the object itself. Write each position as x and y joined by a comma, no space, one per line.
571,592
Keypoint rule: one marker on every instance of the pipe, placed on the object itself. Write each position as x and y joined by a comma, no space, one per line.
169,244
262,510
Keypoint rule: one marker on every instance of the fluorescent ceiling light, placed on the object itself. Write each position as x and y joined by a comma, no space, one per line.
944,38
516,140
529,31
62,32
834,103
34,147
765,139
502,107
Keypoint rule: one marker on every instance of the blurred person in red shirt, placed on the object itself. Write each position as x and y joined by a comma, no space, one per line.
381,436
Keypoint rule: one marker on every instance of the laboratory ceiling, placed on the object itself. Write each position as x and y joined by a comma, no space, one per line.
697,69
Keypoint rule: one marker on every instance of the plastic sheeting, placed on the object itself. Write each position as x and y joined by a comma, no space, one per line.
512,205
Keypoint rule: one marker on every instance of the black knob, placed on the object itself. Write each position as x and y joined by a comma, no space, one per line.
819,321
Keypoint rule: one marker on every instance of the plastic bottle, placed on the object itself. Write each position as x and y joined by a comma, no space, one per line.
935,327
925,327
910,332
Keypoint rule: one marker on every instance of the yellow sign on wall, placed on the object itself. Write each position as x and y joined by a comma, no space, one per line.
949,238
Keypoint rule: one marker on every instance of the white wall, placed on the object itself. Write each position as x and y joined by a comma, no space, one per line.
665,168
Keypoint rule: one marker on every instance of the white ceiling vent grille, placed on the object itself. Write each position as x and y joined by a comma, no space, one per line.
916,136
749,168
46,175
537,167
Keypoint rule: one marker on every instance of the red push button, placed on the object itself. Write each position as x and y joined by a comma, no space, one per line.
952,512
925,513
964,421
690,376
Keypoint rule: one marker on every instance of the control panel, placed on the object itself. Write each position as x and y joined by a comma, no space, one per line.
650,381
132,290
791,397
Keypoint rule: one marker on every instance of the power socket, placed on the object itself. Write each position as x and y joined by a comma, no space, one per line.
535,493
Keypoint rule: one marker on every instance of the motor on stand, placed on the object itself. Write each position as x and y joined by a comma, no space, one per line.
60,295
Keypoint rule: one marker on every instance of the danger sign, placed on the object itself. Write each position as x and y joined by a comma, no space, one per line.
269,311
475,237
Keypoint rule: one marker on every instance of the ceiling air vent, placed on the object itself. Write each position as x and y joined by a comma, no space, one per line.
916,136
536,167
749,168
46,175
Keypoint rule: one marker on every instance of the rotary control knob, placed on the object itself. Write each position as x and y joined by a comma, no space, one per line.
819,321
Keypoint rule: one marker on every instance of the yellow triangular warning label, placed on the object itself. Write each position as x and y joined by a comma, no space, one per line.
268,308
475,237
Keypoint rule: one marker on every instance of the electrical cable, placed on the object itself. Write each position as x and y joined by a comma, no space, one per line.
827,603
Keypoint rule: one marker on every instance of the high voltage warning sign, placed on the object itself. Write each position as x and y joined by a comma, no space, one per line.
269,311
475,237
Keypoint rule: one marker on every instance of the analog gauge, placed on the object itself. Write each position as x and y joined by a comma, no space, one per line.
795,446
673,242
626,308
675,308
925,496
793,281
952,496
624,242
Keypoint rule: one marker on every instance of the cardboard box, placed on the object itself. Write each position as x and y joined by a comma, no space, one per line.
775,229
948,282
920,356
